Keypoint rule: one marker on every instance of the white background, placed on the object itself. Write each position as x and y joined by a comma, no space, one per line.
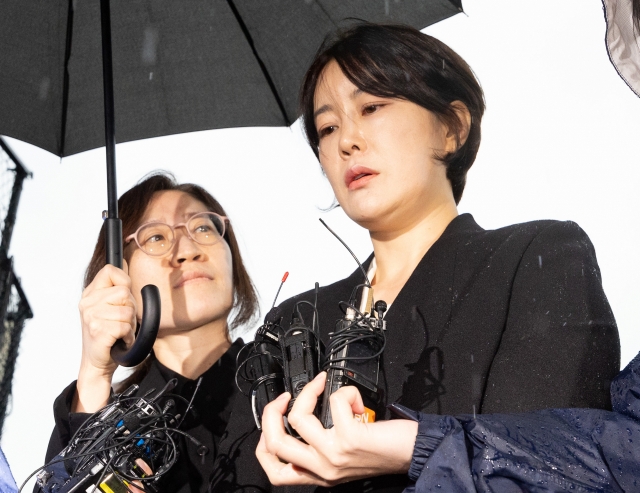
560,140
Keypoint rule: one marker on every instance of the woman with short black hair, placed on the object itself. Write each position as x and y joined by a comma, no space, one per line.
479,321
433,77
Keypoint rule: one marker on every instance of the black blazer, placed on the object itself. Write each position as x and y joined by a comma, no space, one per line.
509,320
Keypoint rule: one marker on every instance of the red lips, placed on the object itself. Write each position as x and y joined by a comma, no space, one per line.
358,176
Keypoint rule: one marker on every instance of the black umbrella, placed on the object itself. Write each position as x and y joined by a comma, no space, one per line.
179,66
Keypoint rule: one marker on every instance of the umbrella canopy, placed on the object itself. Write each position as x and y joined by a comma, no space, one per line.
177,66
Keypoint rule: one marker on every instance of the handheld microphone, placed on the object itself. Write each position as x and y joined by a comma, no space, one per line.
354,349
301,352
102,455
262,368
300,355
353,355
277,360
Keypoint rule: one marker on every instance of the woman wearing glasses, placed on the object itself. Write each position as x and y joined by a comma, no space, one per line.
178,238
511,320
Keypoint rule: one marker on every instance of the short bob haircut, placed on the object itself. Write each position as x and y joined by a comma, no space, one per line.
131,207
395,61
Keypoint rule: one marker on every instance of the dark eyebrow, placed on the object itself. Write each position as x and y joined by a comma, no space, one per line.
356,92
326,107
322,109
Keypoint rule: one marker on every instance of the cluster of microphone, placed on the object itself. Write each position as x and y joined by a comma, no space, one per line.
106,452
284,360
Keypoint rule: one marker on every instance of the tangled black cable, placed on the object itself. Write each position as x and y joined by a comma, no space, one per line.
267,334
109,443
363,329
314,330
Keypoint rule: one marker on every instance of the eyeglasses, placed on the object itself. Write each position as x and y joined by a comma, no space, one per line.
156,238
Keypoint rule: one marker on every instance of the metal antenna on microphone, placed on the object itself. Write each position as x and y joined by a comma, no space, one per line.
366,278
284,278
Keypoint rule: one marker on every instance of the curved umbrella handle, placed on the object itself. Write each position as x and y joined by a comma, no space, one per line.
146,334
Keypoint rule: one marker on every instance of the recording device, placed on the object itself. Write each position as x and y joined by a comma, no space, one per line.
103,456
354,348
262,368
301,351
353,356
278,360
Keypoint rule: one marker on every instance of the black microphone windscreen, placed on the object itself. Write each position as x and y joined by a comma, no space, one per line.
131,422
273,316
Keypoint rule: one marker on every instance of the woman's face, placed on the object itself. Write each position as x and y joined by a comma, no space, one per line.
378,154
195,281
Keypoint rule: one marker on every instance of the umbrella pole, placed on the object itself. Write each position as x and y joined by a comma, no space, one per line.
150,322
114,224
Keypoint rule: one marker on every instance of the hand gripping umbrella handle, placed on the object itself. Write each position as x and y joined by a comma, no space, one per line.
148,330
146,334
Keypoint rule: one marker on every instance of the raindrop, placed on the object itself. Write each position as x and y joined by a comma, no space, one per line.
150,46
150,75
540,261
43,92
386,7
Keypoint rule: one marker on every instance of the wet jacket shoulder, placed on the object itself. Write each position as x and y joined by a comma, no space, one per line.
560,339
587,450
